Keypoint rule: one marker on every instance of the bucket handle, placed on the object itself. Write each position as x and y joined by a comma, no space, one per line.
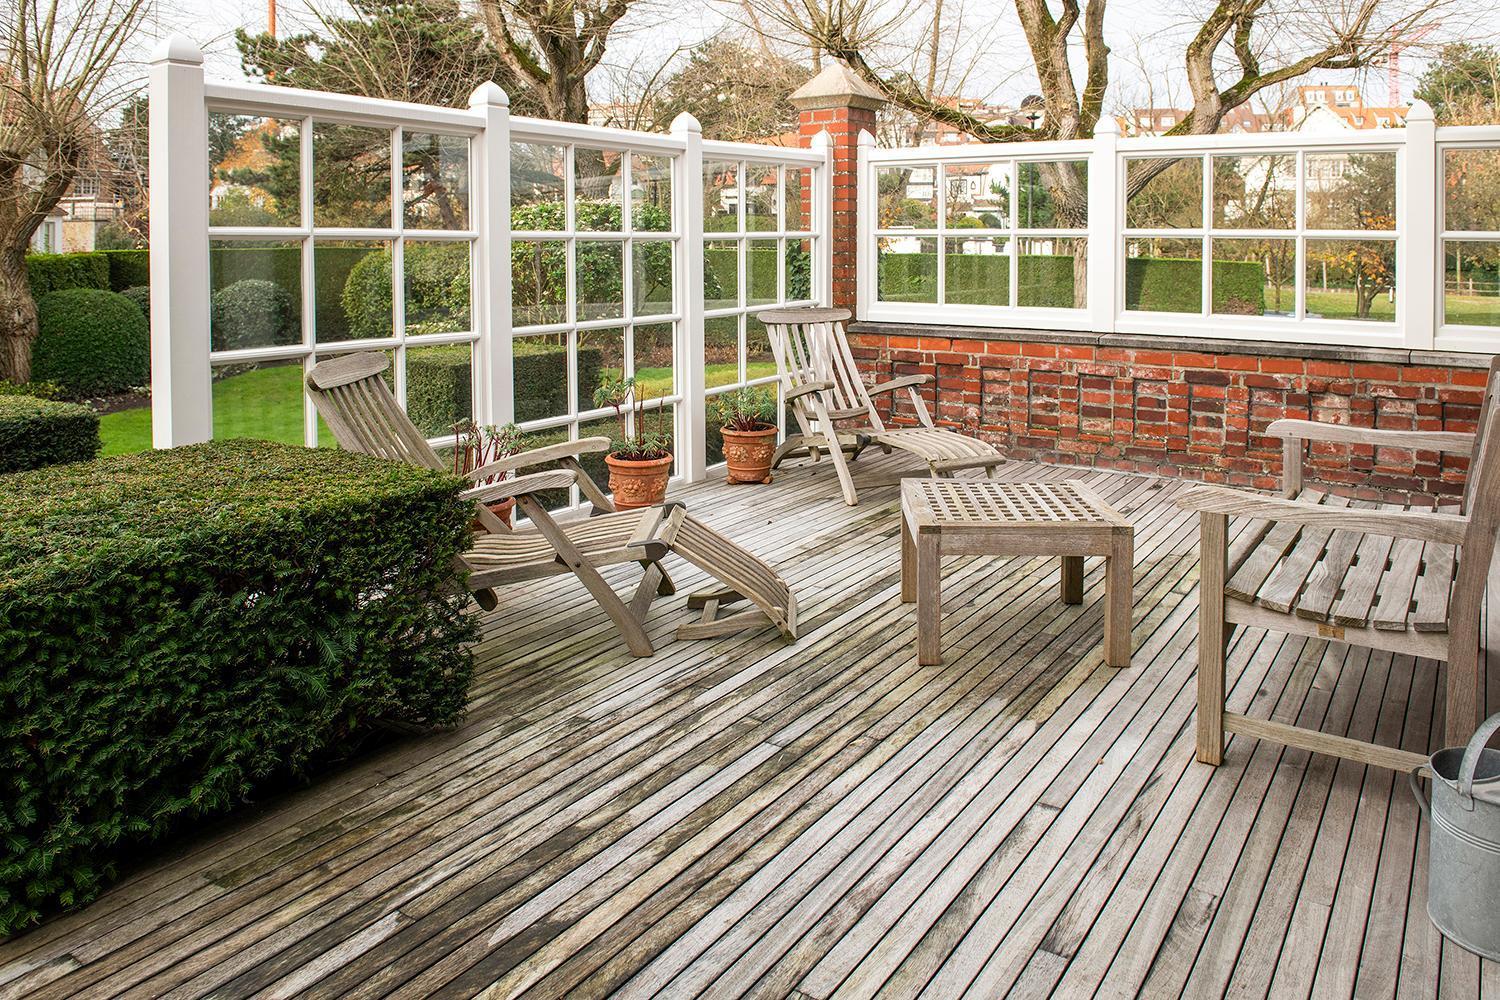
1415,778
1472,753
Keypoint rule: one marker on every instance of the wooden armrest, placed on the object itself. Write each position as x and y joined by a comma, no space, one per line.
1312,430
805,388
1423,525
899,383
552,479
540,456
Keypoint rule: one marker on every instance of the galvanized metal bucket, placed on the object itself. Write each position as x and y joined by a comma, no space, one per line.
1463,866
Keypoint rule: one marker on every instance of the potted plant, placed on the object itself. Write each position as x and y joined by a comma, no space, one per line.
475,446
749,428
640,457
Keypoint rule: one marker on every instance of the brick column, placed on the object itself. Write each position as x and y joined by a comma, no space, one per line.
842,104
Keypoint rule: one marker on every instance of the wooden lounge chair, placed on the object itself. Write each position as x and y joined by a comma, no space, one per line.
1406,580
359,409
833,406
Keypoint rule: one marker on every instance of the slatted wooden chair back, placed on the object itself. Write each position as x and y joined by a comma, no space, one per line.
362,413
1482,505
1485,440
810,345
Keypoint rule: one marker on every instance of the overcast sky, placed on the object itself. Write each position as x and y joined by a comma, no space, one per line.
1146,39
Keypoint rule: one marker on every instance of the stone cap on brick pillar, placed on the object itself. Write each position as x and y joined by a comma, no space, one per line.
836,87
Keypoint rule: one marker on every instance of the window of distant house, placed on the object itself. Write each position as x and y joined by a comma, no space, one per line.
86,187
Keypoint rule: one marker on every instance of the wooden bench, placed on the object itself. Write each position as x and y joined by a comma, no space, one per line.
1405,579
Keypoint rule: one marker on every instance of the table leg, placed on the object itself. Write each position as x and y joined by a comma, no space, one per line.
929,600
1119,583
908,564
1072,579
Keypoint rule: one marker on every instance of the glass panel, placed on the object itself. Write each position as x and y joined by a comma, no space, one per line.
1254,277
1471,283
908,197
1351,279
1052,194
439,387
654,347
255,171
594,463
556,499
761,267
600,353
713,444
1167,192
1052,273
798,196
596,189
1255,192
437,287
1351,190
539,281
906,269
761,187
261,401
536,187
435,180
256,294
978,195
351,176
600,279
759,361
976,270
1472,181
721,196
352,291
540,376
1164,275
651,278
721,274
798,270
721,350
651,193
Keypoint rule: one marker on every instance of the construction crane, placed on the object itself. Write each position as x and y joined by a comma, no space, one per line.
1392,66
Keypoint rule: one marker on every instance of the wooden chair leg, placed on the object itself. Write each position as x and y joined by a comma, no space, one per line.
1212,555
846,478
1461,699
929,600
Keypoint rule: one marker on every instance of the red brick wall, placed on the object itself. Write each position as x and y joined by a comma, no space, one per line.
844,126
1201,415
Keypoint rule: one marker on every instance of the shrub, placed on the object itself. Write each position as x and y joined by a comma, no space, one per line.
437,291
282,265
540,375
141,296
54,272
262,604
128,268
91,343
37,432
254,313
439,387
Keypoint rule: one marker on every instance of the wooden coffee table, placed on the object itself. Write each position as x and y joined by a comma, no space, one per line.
941,517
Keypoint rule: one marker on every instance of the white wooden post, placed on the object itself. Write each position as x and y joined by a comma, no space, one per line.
1104,244
866,200
821,219
1419,258
181,381
687,186
490,166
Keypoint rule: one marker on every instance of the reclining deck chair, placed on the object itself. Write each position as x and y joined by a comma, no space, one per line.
353,399
821,384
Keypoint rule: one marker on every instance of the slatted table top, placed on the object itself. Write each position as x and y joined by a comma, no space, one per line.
945,505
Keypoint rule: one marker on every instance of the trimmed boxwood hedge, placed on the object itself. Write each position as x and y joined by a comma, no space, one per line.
128,268
53,272
90,342
179,628
37,432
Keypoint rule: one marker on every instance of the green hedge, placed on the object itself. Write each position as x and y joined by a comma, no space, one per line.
439,384
283,267
39,432
1167,284
128,268
90,342
179,628
54,272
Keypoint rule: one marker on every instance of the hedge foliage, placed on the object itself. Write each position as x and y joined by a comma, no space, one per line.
90,342
38,432
55,272
141,296
128,268
178,628
282,266
254,313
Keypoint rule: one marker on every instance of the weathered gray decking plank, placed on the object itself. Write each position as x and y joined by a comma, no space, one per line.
739,816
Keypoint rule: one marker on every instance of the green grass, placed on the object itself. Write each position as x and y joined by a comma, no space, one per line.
266,403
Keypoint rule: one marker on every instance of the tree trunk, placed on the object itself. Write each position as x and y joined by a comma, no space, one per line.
17,317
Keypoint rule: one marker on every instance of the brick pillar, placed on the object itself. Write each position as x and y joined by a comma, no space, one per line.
842,104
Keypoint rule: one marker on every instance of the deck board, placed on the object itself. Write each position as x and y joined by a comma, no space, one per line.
744,817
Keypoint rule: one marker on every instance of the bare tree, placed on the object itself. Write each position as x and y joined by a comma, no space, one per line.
57,80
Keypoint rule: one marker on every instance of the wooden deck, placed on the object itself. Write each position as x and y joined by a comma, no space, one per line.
826,819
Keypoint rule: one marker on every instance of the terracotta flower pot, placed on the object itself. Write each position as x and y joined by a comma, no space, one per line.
748,454
638,483
502,509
